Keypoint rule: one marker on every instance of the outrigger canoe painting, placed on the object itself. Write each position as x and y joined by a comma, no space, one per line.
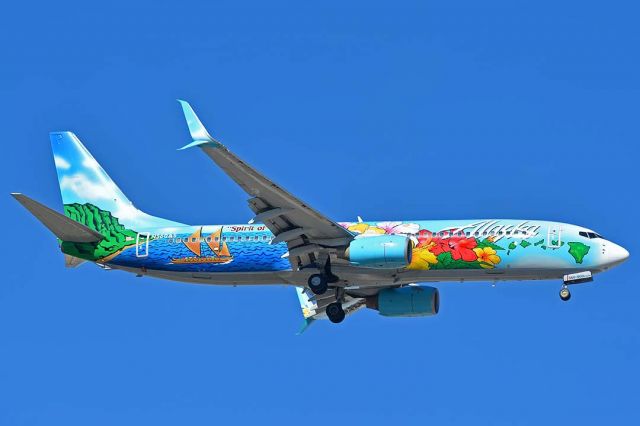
219,249
337,268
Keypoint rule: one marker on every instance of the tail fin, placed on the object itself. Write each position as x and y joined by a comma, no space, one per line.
88,192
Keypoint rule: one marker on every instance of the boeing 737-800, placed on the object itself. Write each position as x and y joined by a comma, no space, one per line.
336,267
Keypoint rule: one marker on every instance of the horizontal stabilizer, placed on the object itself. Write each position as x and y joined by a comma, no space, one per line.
64,228
72,262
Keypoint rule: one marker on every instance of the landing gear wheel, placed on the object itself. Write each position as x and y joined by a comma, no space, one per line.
565,294
318,284
335,312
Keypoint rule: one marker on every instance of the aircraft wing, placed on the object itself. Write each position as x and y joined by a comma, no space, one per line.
310,236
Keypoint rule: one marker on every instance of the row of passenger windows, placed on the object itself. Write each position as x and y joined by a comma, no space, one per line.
478,234
217,239
590,235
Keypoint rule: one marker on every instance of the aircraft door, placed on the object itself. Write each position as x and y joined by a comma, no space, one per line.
554,235
142,244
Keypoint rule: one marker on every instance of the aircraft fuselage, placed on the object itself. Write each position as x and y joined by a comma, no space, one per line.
444,250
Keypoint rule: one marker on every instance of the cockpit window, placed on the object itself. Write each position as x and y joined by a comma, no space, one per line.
590,235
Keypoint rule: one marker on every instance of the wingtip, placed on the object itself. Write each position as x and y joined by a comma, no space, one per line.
307,322
199,133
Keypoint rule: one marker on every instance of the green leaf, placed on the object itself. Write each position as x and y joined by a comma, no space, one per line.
445,258
486,243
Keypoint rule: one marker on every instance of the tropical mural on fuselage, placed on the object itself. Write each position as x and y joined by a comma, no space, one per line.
228,248
483,244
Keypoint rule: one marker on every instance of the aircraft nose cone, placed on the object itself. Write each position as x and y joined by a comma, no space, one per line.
616,254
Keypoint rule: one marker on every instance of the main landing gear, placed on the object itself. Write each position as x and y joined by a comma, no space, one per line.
318,283
334,312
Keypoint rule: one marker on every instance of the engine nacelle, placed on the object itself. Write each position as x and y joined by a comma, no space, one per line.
411,301
384,251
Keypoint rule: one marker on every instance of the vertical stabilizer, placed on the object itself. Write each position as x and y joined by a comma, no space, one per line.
89,194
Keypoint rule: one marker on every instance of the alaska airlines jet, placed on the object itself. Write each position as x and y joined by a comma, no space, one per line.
337,268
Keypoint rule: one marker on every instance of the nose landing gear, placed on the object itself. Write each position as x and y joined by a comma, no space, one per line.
565,294
575,278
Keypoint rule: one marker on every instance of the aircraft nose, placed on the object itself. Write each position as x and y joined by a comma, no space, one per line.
616,254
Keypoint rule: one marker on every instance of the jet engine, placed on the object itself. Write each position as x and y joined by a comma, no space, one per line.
383,251
410,301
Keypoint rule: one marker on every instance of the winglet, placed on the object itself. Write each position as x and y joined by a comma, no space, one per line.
199,133
305,325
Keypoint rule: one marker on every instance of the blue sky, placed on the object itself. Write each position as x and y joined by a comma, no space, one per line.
419,110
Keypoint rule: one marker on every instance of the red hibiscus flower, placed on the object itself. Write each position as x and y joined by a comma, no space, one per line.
459,247
462,248
441,246
424,238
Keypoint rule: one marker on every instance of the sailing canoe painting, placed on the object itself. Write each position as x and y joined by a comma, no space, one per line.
219,249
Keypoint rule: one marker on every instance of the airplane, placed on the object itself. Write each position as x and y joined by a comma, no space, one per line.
337,268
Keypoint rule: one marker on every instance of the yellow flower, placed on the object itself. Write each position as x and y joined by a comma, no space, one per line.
358,228
363,228
422,259
487,257
375,230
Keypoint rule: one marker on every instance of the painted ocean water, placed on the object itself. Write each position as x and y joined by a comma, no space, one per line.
248,256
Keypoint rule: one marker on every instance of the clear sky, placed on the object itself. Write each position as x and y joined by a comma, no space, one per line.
515,109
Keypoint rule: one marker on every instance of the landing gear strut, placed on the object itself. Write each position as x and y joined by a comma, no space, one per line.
565,294
335,312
